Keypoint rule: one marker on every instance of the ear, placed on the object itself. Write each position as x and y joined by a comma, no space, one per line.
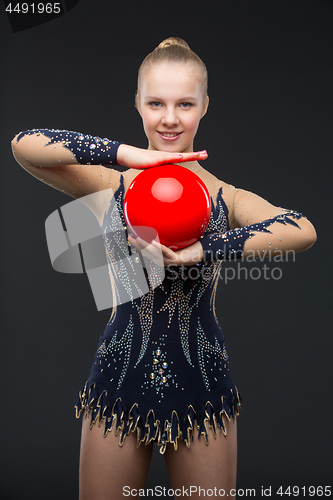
204,111
136,104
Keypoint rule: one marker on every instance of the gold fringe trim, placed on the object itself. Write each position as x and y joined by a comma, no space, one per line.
97,414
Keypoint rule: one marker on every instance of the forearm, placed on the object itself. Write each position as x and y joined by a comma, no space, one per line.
56,148
51,148
289,231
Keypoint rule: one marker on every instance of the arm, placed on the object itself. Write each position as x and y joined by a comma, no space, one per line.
53,147
260,229
82,164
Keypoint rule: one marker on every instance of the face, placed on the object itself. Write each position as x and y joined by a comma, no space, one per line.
171,103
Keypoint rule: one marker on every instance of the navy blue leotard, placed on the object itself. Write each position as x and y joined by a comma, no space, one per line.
161,368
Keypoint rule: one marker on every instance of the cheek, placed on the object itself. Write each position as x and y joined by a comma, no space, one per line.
147,121
150,118
192,122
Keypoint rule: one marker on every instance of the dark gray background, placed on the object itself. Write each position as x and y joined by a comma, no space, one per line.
268,129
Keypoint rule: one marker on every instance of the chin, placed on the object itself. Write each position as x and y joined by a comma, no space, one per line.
175,148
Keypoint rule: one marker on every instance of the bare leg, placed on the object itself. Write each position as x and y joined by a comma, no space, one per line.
206,466
106,467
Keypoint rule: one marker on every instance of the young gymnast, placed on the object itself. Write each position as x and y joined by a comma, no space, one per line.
161,369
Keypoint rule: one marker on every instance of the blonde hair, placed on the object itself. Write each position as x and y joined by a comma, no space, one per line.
173,49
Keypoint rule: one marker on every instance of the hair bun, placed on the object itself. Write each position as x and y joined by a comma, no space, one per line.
173,50
172,40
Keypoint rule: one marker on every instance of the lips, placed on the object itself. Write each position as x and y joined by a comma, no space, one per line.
169,136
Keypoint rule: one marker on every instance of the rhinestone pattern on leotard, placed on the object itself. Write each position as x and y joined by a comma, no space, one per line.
88,149
205,351
177,298
230,245
176,350
117,352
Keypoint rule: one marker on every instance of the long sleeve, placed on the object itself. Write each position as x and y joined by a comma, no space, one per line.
86,149
260,230
71,162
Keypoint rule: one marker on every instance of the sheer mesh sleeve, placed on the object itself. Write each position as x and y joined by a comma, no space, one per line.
259,229
71,162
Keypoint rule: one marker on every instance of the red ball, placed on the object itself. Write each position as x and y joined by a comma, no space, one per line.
168,203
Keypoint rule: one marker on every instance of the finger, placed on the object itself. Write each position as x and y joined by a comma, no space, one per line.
203,155
198,155
154,251
140,244
166,250
133,241
143,243
159,245
168,254
148,249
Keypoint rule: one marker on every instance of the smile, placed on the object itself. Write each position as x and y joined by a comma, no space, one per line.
169,136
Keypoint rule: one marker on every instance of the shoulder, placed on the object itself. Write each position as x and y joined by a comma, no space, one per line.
217,187
129,175
228,192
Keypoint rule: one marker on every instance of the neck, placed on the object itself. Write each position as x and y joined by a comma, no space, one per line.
190,165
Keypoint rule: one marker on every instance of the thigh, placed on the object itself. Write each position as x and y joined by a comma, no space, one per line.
206,466
106,467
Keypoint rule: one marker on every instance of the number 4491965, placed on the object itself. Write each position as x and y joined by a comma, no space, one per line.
32,8
305,491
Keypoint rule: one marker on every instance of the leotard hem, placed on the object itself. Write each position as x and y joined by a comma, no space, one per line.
114,414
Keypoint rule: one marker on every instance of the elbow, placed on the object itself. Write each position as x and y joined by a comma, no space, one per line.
16,141
19,151
313,237
14,144
309,236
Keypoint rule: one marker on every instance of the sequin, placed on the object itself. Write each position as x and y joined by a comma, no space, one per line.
108,349
167,351
86,148
205,351
230,245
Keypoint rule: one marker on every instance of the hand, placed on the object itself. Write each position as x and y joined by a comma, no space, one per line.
132,157
165,256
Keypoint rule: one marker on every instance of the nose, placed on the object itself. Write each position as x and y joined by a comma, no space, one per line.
169,118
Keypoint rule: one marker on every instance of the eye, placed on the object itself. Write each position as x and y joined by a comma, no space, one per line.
155,104
186,104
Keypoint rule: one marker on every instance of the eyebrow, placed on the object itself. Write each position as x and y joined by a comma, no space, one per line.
154,98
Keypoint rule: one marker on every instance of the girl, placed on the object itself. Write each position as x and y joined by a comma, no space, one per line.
161,370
